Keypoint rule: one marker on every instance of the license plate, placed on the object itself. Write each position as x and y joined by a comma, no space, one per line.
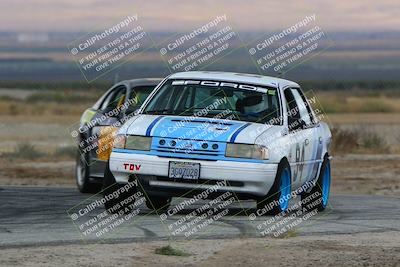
184,170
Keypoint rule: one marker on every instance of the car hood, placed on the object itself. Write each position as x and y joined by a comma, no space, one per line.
196,128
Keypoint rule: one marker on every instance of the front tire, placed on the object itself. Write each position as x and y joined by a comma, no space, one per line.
321,189
82,175
279,192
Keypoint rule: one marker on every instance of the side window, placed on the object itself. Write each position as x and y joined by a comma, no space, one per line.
309,108
302,105
291,106
114,99
293,111
139,94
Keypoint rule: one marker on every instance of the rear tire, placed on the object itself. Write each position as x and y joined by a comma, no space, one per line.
279,192
114,205
321,189
82,175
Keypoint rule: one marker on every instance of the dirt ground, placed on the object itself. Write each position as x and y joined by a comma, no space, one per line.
366,174
378,249
37,173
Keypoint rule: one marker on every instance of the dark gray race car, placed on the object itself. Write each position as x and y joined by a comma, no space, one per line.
98,125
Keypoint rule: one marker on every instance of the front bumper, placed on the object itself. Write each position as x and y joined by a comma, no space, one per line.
242,178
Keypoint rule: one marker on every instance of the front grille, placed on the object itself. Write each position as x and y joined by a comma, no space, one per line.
168,147
187,151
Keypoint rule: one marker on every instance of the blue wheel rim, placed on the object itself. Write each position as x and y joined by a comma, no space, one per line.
326,184
284,189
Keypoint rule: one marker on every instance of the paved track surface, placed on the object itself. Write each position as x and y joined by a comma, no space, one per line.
38,216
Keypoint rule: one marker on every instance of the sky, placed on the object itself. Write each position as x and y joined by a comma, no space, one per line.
174,15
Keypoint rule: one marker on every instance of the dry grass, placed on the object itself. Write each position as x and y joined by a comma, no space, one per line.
365,118
344,102
344,141
358,140
15,108
25,150
170,251
68,119
45,102
65,152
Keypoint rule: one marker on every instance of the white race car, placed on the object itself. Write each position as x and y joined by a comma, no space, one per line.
255,136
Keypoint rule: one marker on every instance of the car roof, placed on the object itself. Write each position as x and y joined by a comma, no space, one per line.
141,82
234,77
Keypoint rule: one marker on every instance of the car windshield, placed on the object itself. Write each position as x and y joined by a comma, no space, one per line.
216,100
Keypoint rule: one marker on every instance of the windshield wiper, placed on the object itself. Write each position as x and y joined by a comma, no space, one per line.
183,112
156,112
169,112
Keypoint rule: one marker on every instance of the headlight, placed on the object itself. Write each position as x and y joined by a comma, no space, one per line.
134,142
246,151
119,141
137,142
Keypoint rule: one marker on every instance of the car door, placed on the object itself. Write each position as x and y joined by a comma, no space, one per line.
106,123
317,139
302,135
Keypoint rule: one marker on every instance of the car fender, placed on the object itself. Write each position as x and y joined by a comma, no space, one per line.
274,138
326,137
